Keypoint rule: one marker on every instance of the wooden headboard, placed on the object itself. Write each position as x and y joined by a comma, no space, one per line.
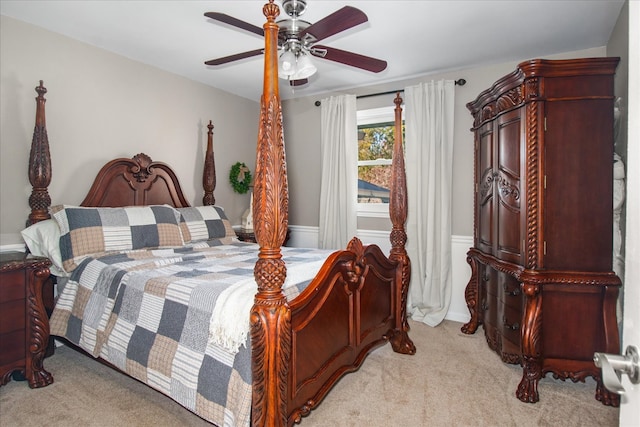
137,181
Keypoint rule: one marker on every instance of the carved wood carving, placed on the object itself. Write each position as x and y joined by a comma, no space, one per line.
472,298
141,169
270,315
399,338
34,271
530,344
209,173
532,184
39,163
39,326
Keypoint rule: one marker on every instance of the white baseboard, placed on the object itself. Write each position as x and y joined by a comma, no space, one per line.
17,247
301,236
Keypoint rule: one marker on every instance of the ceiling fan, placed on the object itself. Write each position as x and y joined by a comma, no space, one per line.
297,41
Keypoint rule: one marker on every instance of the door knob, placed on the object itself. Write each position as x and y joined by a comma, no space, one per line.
613,366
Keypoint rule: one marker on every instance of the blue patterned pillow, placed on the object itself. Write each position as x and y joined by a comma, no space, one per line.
200,223
85,231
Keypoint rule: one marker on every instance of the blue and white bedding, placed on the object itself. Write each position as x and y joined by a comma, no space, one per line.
177,319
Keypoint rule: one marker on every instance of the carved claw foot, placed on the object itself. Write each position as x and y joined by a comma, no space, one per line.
471,327
531,373
401,343
605,396
40,378
528,390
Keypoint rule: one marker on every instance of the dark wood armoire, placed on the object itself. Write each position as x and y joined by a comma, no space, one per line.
541,282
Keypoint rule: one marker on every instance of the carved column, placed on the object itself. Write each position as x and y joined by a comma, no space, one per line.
399,338
472,297
38,327
209,174
39,163
531,343
270,314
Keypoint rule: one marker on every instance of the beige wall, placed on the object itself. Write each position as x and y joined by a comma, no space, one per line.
101,106
302,138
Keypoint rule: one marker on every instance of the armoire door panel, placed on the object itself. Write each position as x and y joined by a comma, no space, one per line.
508,159
485,190
509,142
509,240
485,226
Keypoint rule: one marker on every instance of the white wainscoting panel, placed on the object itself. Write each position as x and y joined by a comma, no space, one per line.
17,247
460,274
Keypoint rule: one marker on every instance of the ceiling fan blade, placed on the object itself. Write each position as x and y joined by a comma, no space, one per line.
353,59
235,22
298,82
237,56
338,21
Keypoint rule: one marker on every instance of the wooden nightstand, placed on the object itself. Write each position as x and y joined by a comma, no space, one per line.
24,325
246,236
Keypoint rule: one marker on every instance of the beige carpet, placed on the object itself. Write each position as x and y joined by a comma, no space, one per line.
453,380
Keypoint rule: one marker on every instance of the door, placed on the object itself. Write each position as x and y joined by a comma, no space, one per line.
629,414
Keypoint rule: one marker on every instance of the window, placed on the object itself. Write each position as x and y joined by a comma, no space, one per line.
376,135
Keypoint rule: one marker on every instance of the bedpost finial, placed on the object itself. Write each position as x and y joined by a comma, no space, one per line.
398,99
41,90
271,11
210,126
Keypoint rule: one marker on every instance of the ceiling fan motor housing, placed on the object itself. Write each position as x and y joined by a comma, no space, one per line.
294,8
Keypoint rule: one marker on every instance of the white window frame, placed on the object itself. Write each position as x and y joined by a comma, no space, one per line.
370,117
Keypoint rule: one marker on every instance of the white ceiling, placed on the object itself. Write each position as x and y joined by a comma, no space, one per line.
415,37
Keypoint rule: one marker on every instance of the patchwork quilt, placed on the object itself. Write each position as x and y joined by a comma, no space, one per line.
156,315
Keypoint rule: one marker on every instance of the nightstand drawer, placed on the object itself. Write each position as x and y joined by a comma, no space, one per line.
12,286
14,347
13,316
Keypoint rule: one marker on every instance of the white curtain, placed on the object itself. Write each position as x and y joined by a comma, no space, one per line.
429,151
339,180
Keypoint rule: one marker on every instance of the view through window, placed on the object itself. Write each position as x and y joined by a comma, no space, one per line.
376,135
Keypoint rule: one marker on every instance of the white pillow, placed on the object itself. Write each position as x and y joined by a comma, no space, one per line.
43,239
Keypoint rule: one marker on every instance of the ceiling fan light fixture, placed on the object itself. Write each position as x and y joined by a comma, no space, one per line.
287,64
305,67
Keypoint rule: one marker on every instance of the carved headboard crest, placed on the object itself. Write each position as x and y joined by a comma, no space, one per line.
143,169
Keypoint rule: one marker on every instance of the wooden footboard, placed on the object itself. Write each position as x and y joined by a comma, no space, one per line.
353,298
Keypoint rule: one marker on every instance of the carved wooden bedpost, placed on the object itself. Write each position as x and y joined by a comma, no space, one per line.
399,339
39,164
270,314
209,174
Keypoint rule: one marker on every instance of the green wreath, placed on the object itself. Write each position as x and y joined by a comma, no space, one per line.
240,178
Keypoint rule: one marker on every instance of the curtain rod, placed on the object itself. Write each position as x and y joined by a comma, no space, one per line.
459,82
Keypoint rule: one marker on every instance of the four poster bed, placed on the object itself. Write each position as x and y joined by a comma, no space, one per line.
158,324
